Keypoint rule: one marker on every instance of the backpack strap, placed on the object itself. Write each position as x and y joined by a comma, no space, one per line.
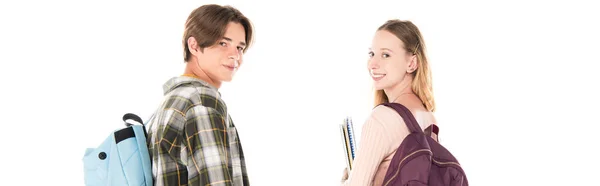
409,119
411,122
433,131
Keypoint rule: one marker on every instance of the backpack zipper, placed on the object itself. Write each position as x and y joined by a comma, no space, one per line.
398,170
443,163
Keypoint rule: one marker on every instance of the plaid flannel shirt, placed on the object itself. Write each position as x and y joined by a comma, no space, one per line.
192,140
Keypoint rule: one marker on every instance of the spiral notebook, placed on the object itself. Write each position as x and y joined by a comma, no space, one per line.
348,140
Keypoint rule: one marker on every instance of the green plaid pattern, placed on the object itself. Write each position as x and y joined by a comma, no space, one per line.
192,139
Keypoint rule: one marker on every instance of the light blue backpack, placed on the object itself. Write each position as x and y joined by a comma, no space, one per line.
122,159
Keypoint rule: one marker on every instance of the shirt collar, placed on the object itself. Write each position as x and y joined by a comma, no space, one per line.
181,80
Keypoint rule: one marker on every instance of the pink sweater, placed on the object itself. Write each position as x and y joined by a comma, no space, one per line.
381,135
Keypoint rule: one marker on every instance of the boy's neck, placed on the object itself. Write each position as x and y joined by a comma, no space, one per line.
199,74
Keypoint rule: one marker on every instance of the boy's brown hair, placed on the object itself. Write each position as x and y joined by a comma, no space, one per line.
208,23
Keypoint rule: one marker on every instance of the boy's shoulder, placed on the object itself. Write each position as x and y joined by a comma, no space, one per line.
183,93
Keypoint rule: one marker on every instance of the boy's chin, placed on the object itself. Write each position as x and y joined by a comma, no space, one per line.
227,79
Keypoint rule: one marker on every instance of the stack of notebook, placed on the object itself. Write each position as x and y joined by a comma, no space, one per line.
347,132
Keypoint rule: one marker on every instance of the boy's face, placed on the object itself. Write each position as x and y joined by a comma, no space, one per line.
222,60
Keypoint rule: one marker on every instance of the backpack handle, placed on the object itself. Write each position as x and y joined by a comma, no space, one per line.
411,122
130,116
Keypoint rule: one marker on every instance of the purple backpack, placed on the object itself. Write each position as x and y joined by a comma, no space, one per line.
420,159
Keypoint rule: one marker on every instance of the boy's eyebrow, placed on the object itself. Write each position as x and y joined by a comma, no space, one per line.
231,40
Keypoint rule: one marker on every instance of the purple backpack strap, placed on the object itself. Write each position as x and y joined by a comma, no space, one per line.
433,131
411,122
409,119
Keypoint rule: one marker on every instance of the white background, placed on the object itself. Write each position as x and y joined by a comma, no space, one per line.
515,84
